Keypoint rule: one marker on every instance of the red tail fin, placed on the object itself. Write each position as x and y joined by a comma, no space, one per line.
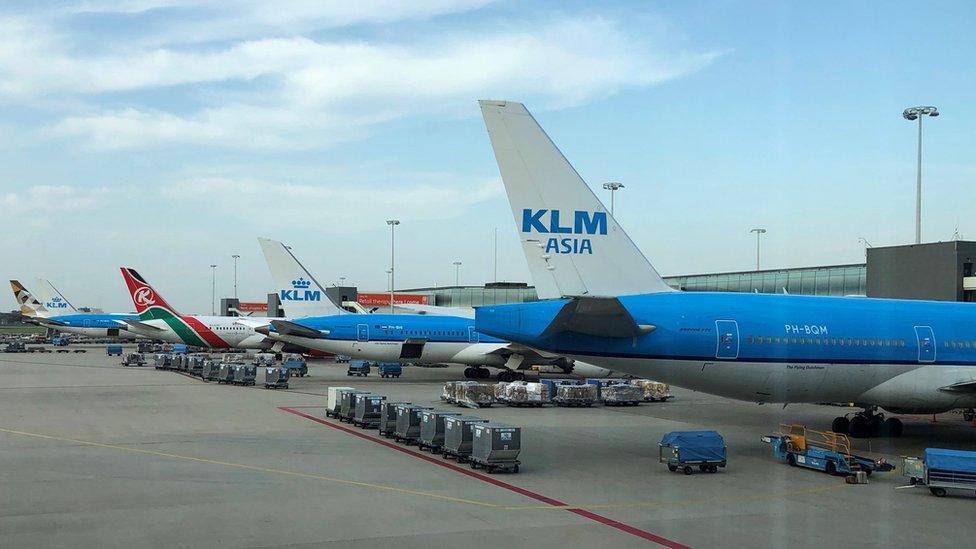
143,295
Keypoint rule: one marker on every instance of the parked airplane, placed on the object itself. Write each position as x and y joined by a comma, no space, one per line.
57,313
429,338
158,320
613,309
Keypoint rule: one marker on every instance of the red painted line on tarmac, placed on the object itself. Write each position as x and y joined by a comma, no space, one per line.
632,530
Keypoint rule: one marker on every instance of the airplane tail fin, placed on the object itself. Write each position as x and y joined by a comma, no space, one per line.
52,299
149,304
300,294
28,304
571,242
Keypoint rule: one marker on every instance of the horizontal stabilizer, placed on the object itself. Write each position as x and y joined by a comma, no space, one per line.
596,316
285,327
434,310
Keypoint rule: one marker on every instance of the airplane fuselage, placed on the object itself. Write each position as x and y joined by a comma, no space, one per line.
901,355
91,324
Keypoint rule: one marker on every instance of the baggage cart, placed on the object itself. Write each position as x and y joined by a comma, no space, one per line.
457,436
525,393
276,377
942,470
686,450
347,404
575,395
226,374
388,416
367,413
296,364
333,402
358,368
432,429
134,359
195,364
211,370
654,391
449,393
113,349
164,361
600,383
622,395
389,369
495,447
408,423
553,385
245,374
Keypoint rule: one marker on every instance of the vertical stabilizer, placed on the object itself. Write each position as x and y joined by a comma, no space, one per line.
571,242
26,302
149,304
52,299
300,294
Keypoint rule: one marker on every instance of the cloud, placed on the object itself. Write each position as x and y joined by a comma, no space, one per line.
307,93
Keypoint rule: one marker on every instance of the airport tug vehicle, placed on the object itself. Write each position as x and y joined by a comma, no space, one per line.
828,452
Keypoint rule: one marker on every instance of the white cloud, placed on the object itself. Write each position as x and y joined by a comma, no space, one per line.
315,92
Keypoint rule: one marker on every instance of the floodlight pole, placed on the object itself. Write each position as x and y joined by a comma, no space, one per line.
392,223
759,232
912,114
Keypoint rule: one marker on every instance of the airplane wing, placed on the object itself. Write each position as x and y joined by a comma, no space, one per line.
463,312
960,387
140,326
520,357
285,327
253,323
596,316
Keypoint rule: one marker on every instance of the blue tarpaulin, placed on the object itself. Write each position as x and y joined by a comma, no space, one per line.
696,445
950,460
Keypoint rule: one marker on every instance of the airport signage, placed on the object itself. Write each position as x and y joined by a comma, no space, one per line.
378,299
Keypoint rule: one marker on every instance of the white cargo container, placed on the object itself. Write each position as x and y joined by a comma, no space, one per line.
332,405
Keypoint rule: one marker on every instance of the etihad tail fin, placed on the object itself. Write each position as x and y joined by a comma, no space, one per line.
52,299
300,294
572,244
149,304
28,304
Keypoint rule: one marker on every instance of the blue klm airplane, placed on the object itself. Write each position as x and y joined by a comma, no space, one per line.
52,310
608,306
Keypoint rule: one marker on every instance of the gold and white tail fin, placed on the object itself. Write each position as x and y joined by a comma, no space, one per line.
573,245
28,304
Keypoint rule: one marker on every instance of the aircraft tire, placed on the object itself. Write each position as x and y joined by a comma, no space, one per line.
469,373
841,425
506,376
876,426
893,427
859,427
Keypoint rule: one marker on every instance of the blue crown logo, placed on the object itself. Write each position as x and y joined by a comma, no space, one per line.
56,299
300,283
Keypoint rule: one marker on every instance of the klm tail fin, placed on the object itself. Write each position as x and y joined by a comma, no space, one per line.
300,294
52,298
572,244
28,304
149,304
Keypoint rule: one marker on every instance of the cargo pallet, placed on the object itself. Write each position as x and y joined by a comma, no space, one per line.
525,404
506,466
432,448
366,424
409,441
572,403
448,454
242,383
623,403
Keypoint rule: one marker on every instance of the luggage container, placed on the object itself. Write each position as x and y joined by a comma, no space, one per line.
226,374
333,402
276,378
432,429
367,413
496,447
297,365
457,436
358,368
388,416
621,394
575,395
686,450
600,383
408,423
180,348
113,349
195,364
245,374
553,385
347,404
211,370
389,369
943,470
474,394
525,393
164,361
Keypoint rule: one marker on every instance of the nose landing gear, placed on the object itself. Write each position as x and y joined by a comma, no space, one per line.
867,424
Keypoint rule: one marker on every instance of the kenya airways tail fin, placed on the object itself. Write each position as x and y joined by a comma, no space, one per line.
149,304
571,242
52,298
300,294
28,304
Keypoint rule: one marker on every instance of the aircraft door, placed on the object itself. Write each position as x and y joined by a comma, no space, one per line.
926,343
727,339
88,323
473,336
362,332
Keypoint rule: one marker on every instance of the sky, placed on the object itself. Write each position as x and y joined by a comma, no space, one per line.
166,135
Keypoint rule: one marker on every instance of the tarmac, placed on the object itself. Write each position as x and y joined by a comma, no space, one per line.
96,455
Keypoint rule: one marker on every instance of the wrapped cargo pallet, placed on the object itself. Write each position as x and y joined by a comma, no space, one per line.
523,393
449,394
473,394
622,395
575,395
499,389
653,390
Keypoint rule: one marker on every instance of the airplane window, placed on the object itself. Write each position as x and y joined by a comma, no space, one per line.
749,339
818,341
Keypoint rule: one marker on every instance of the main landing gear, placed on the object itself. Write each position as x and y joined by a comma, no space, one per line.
510,375
867,424
477,373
